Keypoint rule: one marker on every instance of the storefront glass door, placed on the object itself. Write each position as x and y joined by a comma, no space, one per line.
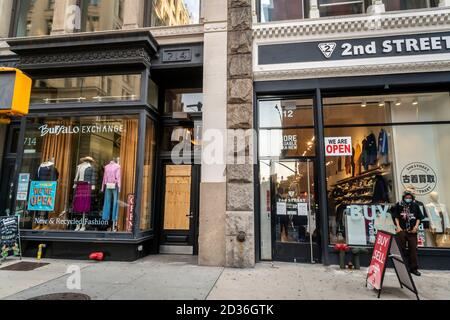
293,210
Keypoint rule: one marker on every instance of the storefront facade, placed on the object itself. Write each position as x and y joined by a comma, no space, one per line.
351,112
92,166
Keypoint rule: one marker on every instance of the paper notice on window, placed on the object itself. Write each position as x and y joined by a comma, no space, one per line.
302,208
281,208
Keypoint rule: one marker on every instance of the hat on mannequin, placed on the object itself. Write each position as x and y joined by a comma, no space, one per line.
88,159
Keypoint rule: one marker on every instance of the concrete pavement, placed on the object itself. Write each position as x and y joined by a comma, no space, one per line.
179,277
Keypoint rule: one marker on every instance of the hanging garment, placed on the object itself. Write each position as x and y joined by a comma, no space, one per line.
371,149
383,147
47,172
383,144
358,152
352,158
82,197
365,155
111,176
380,190
348,165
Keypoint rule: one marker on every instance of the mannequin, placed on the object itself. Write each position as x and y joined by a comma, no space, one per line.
84,183
47,171
111,187
439,218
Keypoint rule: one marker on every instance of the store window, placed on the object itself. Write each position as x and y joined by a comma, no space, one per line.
286,128
398,143
174,13
35,18
183,100
102,15
79,174
87,89
147,184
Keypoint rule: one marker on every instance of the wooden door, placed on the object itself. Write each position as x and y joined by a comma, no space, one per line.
177,199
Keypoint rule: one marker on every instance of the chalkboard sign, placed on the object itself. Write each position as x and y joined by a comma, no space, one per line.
386,247
9,237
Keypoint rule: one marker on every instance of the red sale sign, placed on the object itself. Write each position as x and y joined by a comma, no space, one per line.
338,146
379,259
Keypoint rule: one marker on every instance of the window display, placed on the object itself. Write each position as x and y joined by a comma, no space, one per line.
82,173
386,160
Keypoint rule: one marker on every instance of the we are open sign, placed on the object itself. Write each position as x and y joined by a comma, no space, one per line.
338,146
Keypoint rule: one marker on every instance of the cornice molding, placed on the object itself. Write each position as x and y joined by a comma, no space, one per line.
358,70
84,58
219,26
176,31
348,26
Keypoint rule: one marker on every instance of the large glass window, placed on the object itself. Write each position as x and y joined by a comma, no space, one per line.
278,10
79,174
35,17
101,15
286,128
87,89
183,100
398,143
175,12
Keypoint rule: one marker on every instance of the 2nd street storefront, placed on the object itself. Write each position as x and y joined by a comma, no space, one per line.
397,127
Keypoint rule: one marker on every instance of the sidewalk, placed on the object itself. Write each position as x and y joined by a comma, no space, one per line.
179,277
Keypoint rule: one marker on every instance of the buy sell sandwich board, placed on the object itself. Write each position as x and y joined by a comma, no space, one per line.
387,247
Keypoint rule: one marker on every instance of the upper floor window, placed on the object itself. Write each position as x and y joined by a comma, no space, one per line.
101,15
174,12
278,10
108,88
35,18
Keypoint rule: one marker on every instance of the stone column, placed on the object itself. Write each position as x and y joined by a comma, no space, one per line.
444,3
313,9
62,13
213,183
132,10
240,236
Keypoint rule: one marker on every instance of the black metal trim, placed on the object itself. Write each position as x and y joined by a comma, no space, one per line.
321,174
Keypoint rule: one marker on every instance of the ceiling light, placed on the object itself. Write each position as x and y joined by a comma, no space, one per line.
381,104
363,104
398,102
415,102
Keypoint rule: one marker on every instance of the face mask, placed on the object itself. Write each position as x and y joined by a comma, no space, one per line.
408,200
